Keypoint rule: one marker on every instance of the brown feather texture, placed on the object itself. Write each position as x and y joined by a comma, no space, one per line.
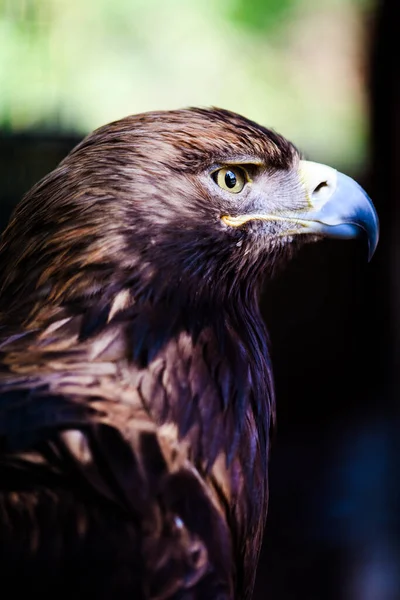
136,394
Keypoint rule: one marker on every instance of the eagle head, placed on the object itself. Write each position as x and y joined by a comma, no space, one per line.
196,203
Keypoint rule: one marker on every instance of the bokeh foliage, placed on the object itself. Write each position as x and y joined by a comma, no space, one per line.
294,65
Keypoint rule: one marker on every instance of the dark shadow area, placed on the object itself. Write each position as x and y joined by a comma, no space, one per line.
24,159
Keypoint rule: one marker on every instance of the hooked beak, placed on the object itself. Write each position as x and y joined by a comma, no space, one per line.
337,207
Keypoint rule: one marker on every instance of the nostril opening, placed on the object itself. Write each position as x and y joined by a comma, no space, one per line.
320,186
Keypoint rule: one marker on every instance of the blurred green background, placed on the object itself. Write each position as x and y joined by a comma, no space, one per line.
295,65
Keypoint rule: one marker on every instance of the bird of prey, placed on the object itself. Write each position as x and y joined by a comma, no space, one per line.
136,394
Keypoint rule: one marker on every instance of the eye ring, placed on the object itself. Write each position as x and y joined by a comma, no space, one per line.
231,179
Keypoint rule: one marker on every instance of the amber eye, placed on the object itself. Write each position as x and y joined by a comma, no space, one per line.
231,179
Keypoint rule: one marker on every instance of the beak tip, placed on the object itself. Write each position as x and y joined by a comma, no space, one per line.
372,244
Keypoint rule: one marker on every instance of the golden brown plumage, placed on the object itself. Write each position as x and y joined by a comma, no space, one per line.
136,395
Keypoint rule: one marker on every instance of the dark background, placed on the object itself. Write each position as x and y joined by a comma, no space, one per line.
334,520
333,526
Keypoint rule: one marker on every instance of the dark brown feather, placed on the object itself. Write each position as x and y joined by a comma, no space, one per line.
136,394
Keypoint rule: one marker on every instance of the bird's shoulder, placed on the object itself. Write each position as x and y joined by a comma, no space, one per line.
83,414
160,423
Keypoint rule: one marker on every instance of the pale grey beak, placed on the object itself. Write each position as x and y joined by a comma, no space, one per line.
339,207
